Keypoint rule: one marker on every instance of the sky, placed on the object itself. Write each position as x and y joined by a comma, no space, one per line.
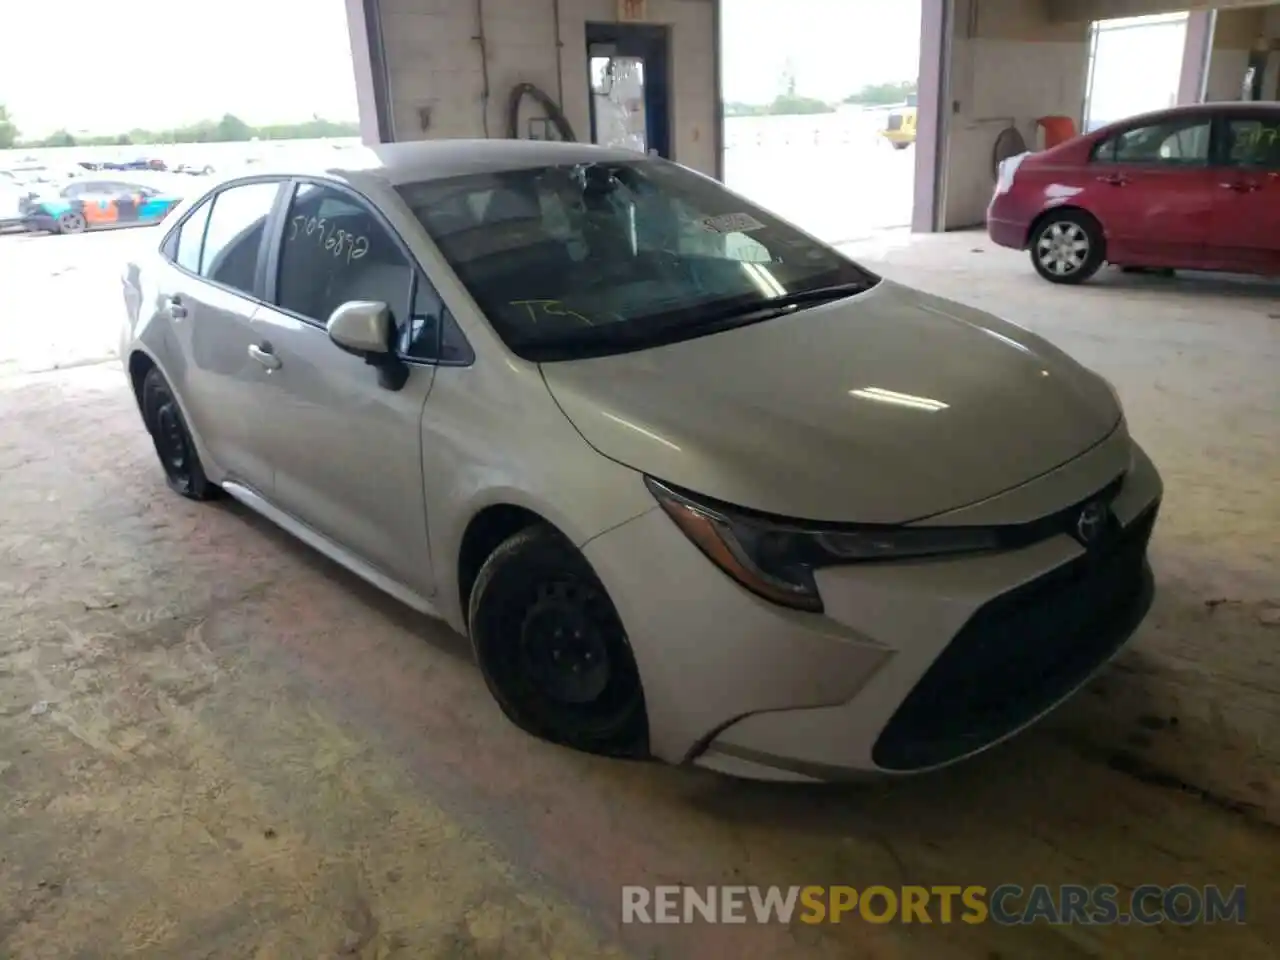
179,61
266,61
835,46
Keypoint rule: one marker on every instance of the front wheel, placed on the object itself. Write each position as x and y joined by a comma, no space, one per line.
552,648
1067,247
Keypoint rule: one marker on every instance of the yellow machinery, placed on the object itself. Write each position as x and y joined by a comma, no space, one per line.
901,128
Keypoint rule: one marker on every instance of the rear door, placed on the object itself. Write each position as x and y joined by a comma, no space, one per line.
1153,189
347,450
1246,216
211,290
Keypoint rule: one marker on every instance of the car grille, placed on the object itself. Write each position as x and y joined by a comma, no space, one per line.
1022,652
895,121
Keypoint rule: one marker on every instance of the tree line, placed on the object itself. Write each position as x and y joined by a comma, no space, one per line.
789,103
230,129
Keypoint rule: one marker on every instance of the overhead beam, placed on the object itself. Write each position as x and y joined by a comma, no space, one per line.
1075,11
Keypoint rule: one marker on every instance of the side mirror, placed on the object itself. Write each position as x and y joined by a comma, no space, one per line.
361,327
364,328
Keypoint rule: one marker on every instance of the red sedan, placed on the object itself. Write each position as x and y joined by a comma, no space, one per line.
1195,187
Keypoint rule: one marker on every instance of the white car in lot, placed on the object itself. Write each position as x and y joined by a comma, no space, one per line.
12,205
696,485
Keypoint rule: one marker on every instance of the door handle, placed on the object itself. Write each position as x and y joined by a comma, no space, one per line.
177,309
1115,179
264,356
1240,187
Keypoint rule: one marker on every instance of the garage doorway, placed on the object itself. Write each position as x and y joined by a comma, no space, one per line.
629,68
821,111
1115,88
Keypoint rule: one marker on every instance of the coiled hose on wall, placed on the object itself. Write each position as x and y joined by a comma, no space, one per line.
553,111
1009,143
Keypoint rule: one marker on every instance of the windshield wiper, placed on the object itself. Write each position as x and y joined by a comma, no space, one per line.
817,295
683,324
775,306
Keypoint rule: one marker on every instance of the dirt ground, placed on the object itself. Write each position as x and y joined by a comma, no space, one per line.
216,744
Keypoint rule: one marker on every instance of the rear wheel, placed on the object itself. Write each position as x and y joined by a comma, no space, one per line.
72,222
552,648
1067,247
172,439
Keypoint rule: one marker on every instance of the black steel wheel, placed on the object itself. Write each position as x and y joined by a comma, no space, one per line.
552,648
172,439
72,222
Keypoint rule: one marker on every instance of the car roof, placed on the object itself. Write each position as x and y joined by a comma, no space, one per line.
1195,110
425,160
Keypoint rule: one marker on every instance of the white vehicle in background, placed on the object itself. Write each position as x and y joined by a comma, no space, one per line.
14,197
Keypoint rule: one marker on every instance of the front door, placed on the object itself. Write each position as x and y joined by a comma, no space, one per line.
1246,216
630,86
1153,190
347,451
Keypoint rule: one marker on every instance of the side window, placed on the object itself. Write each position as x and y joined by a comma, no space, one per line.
1181,142
191,238
1254,143
233,236
335,250
431,333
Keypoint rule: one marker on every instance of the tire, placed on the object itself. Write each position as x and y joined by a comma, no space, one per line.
552,648
901,146
174,446
72,222
1067,247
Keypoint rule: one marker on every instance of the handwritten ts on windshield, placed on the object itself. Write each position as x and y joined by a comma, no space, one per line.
549,308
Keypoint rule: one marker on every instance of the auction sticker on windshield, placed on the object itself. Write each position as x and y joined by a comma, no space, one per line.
732,223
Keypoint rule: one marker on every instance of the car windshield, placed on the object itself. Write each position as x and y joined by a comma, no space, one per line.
599,258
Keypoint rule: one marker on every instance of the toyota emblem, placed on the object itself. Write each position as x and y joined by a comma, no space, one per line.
1091,523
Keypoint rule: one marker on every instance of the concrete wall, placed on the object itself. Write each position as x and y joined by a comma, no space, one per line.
437,75
1236,34
1271,30
1009,65
1086,10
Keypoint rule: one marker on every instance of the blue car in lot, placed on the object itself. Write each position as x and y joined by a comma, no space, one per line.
93,204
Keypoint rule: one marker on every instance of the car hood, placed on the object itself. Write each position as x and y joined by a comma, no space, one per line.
886,407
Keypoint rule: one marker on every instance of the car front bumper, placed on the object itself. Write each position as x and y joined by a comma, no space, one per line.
912,666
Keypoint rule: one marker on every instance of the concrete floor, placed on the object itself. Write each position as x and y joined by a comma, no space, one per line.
215,744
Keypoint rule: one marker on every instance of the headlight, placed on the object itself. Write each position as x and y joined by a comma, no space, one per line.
776,559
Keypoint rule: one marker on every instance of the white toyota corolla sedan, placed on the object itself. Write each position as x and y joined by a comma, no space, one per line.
696,485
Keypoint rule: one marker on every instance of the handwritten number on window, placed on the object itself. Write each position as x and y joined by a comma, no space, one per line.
341,243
